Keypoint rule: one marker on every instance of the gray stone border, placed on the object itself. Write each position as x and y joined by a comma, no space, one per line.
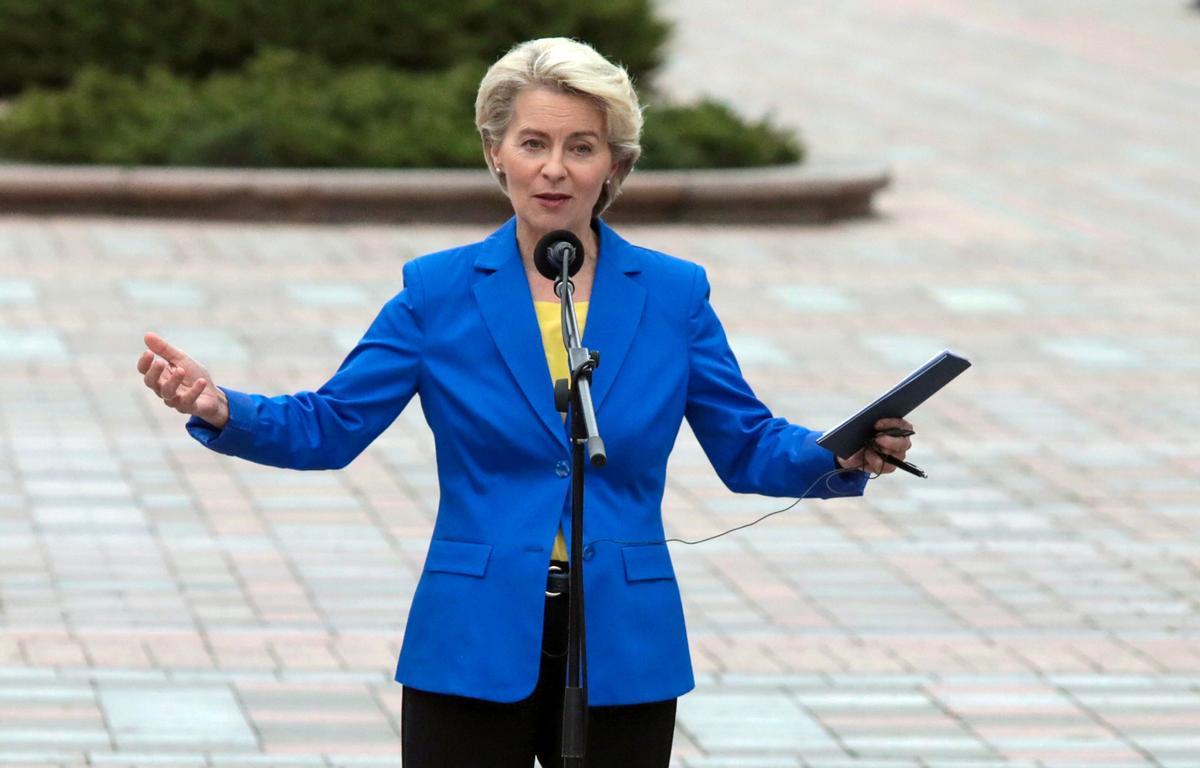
782,194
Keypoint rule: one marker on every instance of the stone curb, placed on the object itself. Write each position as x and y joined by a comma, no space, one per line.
781,194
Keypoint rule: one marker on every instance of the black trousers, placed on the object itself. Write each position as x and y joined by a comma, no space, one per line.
442,731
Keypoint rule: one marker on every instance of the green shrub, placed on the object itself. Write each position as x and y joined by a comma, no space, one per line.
289,110
46,42
710,135
283,110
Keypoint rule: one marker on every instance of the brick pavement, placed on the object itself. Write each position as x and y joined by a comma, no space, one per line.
1034,603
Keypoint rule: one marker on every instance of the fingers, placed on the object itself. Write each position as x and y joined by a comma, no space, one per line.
877,465
159,346
153,373
183,399
164,379
187,398
894,422
171,384
896,446
161,381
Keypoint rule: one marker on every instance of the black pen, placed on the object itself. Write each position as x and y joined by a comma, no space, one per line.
901,463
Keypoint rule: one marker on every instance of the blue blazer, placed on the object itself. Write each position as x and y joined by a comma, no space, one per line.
463,333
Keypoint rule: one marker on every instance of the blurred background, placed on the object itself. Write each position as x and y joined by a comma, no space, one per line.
323,83
1033,603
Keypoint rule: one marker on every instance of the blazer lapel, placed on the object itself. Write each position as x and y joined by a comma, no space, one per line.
507,307
614,310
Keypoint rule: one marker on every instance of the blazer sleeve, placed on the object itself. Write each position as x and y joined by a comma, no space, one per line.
328,428
751,451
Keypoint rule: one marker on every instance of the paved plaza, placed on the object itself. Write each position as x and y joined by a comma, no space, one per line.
1035,602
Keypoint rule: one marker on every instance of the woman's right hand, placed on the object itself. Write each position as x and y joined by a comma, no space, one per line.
181,382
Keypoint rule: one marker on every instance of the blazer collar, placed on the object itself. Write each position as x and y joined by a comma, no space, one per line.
501,246
614,313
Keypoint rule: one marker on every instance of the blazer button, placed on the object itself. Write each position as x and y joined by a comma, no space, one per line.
562,469
589,552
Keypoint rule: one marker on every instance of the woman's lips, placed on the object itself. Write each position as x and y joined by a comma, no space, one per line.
552,201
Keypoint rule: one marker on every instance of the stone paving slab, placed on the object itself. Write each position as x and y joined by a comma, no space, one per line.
1034,603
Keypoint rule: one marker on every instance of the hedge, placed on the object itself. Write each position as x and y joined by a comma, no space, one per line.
290,110
710,135
47,42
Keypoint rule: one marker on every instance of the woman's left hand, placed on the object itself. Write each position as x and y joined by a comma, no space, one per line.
868,458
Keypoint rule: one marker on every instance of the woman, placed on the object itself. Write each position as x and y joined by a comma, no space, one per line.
475,331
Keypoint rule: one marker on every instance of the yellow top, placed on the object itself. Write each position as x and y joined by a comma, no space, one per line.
549,315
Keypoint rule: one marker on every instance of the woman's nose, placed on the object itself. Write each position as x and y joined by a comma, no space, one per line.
554,168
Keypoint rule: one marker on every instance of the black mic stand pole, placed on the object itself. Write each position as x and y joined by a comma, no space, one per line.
584,434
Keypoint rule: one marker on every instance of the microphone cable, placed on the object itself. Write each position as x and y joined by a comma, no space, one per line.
825,477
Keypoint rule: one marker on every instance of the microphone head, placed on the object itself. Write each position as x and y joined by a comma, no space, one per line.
553,249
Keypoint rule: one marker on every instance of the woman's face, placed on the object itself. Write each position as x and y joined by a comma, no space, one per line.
555,158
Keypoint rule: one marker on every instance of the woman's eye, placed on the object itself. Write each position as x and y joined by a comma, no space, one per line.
584,149
531,144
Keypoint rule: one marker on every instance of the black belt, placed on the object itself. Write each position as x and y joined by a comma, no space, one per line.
557,579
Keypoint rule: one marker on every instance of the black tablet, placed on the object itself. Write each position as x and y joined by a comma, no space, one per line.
851,435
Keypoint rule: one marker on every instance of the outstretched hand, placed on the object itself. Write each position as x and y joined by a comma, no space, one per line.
868,459
182,383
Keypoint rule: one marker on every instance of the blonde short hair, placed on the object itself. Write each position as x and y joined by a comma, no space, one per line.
572,67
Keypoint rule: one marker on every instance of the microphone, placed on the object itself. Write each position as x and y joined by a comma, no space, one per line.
555,248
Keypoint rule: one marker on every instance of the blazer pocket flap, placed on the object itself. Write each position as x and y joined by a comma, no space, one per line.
646,562
464,557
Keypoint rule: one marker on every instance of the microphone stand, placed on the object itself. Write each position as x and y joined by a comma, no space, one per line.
584,434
